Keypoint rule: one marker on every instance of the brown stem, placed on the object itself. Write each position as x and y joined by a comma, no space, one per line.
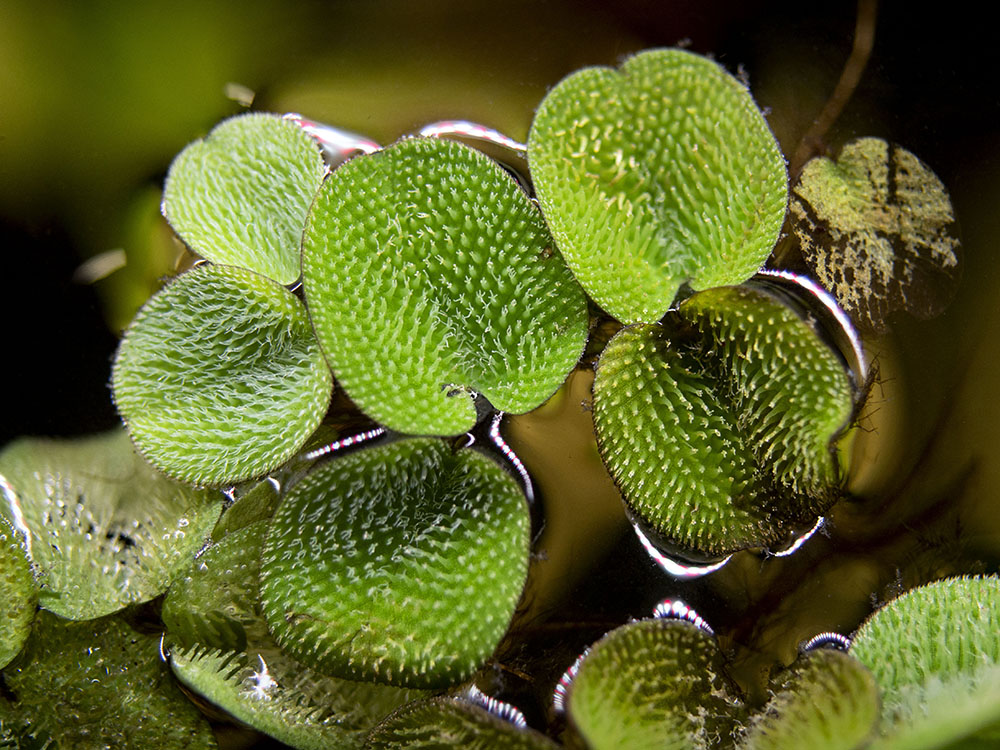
864,39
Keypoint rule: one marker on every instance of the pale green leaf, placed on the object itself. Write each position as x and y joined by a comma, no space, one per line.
241,195
657,174
219,378
104,529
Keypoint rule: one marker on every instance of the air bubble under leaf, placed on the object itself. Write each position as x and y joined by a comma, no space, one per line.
105,529
828,700
429,275
653,684
662,173
449,722
18,593
98,684
720,427
221,649
935,654
241,195
878,229
399,564
220,378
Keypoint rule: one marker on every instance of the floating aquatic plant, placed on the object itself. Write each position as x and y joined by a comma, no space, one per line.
453,722
657,683
102,528
345,583
659,174
240,196
827,700
220,647
878,229
95,684
431,277
18,592
935,654
721,425
219,377
400,564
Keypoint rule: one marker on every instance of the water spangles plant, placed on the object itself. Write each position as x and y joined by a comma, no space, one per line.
97,684
721,424
102,528
878,229
18,592
659,174
431,277
219,378
935,654
400,564
220,648
240,196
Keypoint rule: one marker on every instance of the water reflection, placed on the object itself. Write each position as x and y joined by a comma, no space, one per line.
673,566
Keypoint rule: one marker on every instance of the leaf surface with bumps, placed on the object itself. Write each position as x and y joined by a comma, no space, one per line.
935,654
399,564
18,592
241,195
827,700
99,684
661,173
878,229
220,648
429,275
450,722
720,426
653,684
219,378
105,529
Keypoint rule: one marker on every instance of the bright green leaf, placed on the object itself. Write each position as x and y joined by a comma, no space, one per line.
399,564
18,592
241,195
220,378
653,684
662,173
105,529
98,684
430,275
720,426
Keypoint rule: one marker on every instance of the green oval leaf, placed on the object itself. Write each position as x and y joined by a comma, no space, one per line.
220,378
221,649
99,684
18,592
720,426
449,722
935,654
399,564
662,173
828,700
104,529
241,195
878,229
653,684
429,275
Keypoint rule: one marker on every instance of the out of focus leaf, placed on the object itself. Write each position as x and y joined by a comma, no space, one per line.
104,529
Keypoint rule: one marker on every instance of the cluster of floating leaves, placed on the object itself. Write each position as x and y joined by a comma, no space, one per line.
338,588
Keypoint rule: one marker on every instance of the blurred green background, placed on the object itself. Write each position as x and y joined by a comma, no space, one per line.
96,98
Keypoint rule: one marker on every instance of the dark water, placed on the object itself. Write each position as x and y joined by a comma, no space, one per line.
97,101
